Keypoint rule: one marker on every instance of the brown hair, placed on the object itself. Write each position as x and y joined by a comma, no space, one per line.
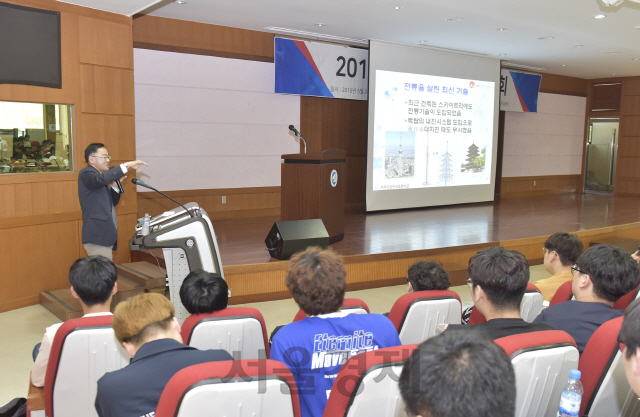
317,280
138,317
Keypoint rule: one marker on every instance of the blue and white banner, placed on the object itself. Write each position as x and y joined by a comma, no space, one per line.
321,69
519,91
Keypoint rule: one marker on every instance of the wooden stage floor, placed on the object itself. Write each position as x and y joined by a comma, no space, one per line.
241,241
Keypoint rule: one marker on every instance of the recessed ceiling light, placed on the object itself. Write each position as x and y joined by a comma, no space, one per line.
319,24
502,29
635,59
612,52
542,38
563,65
397,7
599,16
578,46
637,27
613,74
423,41
453,19
179,1
502,54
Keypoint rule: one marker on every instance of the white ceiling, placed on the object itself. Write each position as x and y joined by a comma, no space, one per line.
569,22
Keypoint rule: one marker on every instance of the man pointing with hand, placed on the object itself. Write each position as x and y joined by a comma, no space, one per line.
99,192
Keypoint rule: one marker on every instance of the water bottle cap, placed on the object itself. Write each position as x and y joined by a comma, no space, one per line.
575,374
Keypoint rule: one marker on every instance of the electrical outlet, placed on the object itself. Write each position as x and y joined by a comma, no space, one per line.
230,292
534,184
224,199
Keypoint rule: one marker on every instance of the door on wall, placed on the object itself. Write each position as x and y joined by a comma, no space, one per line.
602,151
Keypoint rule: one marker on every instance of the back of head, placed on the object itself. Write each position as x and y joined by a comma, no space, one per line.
459,374
568,247
612,271
91,149
93,279
142,316
425,276
317,281
503,275
204,292
630,330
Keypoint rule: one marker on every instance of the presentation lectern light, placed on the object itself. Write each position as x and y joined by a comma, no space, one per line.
188,243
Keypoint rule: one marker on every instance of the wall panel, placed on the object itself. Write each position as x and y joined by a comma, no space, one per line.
106,90
627,172
104,128
107,43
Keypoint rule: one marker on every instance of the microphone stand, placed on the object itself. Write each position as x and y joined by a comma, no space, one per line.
304,142
142,184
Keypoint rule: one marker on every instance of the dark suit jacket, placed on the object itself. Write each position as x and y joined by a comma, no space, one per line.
96,200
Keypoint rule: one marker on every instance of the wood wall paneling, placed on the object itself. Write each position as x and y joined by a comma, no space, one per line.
550,184
173,35
560,84
106,90
107,43
627,173
117,132
631,86
606,97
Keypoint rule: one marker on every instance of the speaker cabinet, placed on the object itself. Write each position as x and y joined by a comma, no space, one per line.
289,237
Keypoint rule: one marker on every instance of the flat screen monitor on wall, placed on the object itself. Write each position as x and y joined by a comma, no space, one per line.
30,50
432,135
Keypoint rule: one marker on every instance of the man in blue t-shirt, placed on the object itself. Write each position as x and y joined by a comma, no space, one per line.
601,275
315,348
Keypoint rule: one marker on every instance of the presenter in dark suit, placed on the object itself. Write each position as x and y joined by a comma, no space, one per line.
99,193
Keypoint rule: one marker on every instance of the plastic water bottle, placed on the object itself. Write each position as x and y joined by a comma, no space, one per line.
571,395
146,221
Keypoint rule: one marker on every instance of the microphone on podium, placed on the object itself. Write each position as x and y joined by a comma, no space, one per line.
295,132
142,184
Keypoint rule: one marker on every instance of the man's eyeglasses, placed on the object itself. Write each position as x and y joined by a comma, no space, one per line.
574,268
469,281
107,157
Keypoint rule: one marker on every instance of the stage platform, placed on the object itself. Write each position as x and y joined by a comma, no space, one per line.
379,247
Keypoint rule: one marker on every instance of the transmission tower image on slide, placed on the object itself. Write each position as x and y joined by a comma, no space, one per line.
399,154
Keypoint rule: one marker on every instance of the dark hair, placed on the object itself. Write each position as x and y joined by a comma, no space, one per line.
93,279
630,329
459,374
613,271
430,275
204,292
568,247
317,280
503,275
91,149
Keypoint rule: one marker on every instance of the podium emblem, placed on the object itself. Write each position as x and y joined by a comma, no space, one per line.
334,178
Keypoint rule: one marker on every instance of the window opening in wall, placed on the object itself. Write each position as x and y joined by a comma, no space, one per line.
35,137
602,152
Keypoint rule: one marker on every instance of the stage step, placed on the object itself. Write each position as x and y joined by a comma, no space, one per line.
146,274
65,306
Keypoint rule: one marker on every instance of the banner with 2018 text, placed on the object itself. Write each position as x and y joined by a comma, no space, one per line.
519,91
320,69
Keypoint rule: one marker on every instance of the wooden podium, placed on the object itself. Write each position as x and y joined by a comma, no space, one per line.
312,187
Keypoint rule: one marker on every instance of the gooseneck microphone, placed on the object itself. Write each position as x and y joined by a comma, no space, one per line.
295,132
142,184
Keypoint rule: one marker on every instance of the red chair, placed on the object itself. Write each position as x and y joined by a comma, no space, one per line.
367,384
541,361
530,306
235,329
82,351
349,305
564,293
415,315
624,301
606,389
259,388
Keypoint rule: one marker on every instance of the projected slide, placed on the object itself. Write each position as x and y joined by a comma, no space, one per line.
431,131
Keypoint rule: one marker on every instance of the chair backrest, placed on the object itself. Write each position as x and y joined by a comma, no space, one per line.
606,389
541,361
258,388
531,303
564,293
367,385
349,305
83,350
241,331
624,301
530,306
415,315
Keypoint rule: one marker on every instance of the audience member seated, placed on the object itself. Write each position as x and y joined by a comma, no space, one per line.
204,292
458,374
315,347
629,338
498,281
561,251
149,331
425,276
601,275
93,281
636,255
